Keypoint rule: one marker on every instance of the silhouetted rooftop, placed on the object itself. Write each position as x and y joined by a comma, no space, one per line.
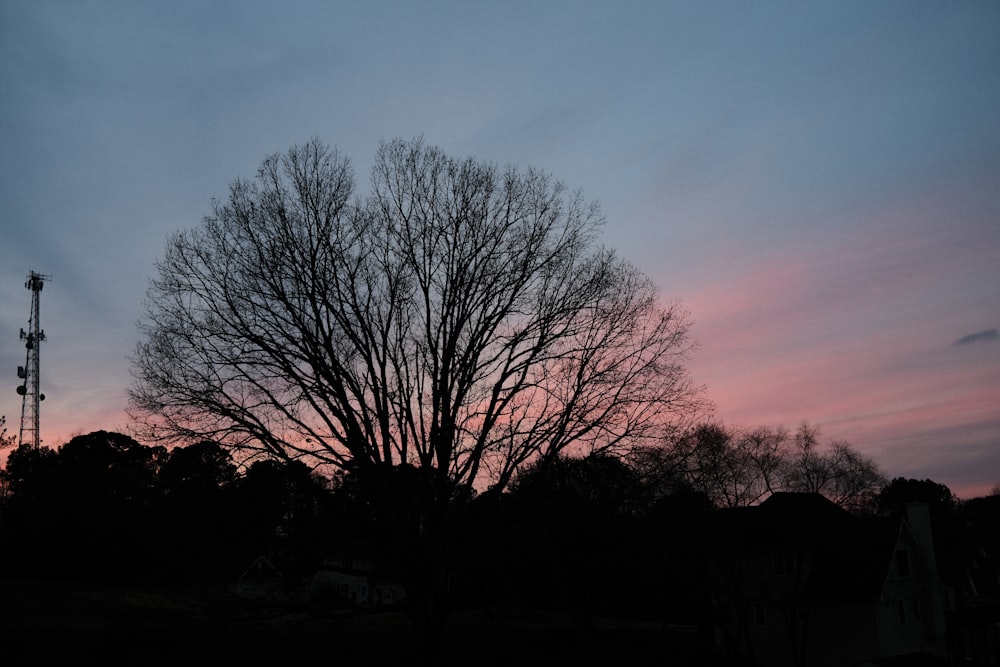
851,555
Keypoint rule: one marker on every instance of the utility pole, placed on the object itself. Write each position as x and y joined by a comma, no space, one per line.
30,389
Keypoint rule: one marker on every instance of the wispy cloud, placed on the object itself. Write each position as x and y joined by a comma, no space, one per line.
988,334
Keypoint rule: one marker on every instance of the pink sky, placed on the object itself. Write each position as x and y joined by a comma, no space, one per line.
858,335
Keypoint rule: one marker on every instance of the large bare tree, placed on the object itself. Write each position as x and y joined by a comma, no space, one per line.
460,318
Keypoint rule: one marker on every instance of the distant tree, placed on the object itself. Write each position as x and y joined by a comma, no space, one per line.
573,515
737,467
105,507
460,321
109,464
196,535
895,495
841,473
26,510
286,511
83,510
201,466
599,482
982,517
6,440
28,470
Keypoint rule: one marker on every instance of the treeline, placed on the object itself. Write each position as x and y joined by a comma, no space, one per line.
594,536
598,534
105,508
739,467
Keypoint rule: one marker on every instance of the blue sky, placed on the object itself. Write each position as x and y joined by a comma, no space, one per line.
818,183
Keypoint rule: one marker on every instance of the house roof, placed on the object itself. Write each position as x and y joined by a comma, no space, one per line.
261,568
783,520
803,506
851,554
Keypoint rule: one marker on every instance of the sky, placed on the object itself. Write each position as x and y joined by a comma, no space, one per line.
817,184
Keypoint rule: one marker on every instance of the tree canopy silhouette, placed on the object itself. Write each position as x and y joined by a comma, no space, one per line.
80,509
738,467
895,495
431,338
105,507
460,318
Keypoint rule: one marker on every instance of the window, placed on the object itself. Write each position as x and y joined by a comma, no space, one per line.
901,611
902,563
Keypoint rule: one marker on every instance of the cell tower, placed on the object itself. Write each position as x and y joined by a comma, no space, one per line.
30,389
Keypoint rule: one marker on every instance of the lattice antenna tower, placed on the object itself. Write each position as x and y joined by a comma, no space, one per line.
30,388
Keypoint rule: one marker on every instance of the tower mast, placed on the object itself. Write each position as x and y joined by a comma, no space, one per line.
30,389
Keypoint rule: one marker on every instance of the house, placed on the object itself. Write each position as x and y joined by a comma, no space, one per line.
261,581
340,579
799,581
352,579
969,564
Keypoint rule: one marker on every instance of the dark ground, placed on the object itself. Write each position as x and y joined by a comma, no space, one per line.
45,623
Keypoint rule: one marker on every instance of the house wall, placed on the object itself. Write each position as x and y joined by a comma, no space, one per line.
911,606
757,595
332,584
900,631
774,630
765,616
387,594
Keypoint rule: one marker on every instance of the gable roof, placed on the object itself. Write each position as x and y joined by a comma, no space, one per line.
261,568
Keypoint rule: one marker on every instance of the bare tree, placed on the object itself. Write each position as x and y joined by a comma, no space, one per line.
460,320
737,467
839,472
